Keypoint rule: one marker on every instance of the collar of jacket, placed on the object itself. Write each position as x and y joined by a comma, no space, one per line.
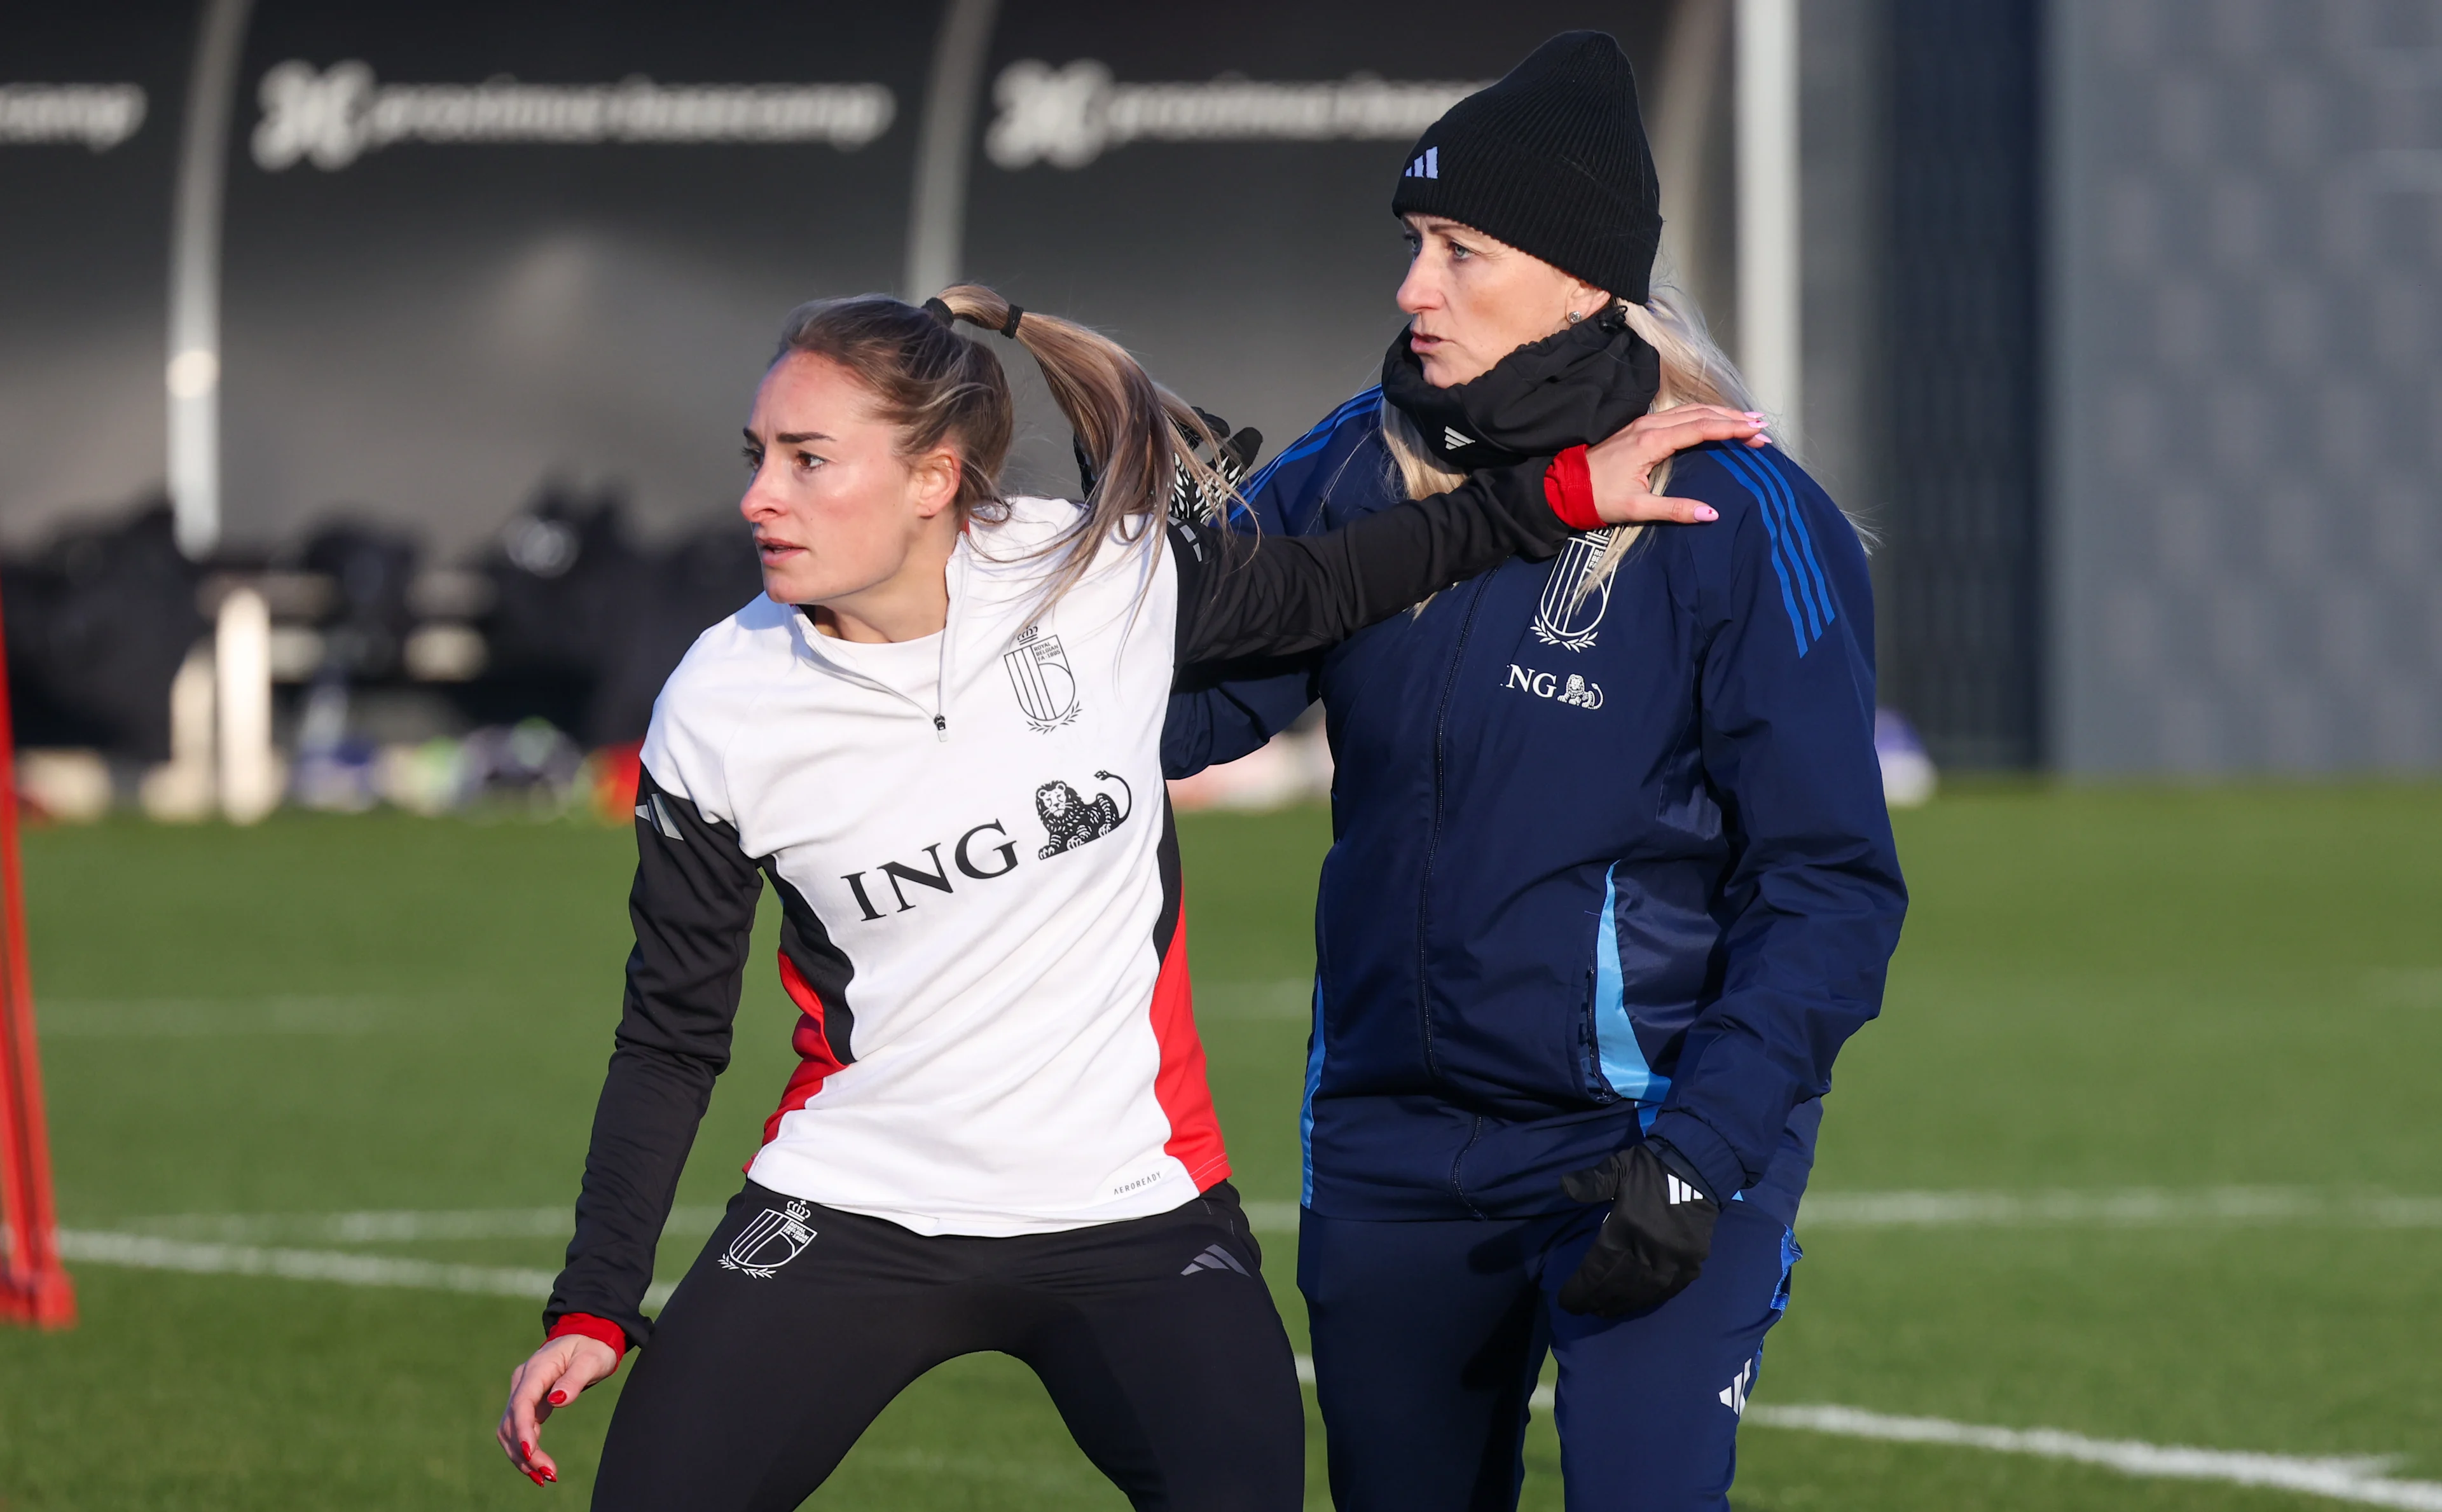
1571,389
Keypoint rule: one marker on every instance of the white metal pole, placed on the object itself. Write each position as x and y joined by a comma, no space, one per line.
1691,66
1770,315
242,661
937,219
193,374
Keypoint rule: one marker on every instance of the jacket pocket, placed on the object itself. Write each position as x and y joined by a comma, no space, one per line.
1589,1070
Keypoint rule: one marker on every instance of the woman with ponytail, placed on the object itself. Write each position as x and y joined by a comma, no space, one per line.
1571,1039
936,737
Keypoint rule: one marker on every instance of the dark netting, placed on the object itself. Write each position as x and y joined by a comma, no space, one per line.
1962,611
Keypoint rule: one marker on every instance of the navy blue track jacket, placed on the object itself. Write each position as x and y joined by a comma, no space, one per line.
1600,865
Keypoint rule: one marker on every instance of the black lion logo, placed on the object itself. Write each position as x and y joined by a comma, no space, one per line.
1072,821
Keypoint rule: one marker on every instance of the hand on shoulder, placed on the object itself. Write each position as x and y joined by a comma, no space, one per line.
1622,465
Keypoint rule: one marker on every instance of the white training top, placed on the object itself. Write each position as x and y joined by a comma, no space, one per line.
978,881
975,828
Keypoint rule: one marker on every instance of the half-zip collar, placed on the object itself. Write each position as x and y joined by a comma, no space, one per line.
826,650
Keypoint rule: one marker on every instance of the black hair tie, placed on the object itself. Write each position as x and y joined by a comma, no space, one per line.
940,311
1009,327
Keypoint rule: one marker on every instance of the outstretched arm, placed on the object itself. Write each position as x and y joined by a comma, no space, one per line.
1242,596
693,906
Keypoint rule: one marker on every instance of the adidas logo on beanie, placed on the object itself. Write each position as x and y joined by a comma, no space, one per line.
1553,160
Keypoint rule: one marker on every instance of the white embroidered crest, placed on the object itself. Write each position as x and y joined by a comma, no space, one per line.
1565,617
768,1241
1047,689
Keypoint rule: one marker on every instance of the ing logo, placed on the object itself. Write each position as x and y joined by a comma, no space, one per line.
1574,691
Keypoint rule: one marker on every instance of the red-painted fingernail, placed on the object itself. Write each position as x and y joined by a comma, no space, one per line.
536,1476
559,1398
552,1476
525,1449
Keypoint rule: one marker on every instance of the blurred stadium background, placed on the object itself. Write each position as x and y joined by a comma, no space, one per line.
368,381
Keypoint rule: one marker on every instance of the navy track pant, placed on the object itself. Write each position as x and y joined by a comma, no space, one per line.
1429,1338
1156,1338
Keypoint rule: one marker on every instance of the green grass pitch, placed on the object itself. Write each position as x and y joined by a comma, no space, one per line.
2099,992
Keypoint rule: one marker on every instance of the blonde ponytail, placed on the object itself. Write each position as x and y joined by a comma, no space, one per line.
940,389
1137,434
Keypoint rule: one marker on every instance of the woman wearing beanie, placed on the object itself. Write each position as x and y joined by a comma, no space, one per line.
1570,1040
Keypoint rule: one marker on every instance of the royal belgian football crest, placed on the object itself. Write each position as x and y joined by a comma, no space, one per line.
768,1241
1038,670
1568,610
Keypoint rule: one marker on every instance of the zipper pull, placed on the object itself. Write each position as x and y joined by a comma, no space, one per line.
940,728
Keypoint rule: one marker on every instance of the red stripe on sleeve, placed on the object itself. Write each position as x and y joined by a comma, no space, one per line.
1179,1086
815,1061
1569,489
592,1327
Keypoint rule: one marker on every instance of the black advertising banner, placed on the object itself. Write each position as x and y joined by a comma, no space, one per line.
89,102
1212,185
474,244
471,250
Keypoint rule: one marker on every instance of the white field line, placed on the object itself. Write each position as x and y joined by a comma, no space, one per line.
147,1252
2132,1207
419,1227
2346,1479
1272,1217
391,1228
2137,1208
2355,1479
182,1018
2408,986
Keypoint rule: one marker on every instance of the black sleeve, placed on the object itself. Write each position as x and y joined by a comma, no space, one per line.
693,905
1277,595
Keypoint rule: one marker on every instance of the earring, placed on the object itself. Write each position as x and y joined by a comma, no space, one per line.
1575,317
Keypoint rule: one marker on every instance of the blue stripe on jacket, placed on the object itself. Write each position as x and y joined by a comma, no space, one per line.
1313,441
1305,1108
1622,1059
1803,592
1797,518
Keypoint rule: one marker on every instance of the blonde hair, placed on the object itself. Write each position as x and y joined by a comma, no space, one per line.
942,389
1694,371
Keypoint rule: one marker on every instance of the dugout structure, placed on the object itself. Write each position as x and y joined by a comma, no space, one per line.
33,1286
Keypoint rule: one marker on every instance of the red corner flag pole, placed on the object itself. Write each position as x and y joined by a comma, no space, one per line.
33,1286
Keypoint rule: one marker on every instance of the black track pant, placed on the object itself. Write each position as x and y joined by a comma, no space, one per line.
1157,1338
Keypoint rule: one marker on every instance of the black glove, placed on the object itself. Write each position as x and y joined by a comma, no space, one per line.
1654,1241
1233,459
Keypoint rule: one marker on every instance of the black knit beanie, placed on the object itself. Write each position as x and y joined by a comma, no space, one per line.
1552,160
